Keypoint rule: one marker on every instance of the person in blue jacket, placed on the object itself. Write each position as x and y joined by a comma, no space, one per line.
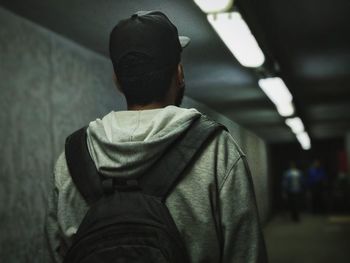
293,186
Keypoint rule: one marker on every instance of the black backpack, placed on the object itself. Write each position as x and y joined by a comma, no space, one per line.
128,220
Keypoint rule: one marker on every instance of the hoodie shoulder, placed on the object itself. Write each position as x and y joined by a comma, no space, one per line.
227,153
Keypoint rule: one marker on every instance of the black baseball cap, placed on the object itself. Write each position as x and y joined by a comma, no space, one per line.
149,33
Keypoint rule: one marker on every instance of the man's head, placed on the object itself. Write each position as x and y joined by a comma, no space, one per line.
145,50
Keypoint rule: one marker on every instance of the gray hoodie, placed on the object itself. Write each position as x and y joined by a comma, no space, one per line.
214,199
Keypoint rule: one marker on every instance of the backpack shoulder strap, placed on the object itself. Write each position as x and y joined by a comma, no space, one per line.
163,176
82,168
158,181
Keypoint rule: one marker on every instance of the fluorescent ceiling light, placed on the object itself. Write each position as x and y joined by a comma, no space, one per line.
304,140
236,35
276,90
295,124
285,109
214,6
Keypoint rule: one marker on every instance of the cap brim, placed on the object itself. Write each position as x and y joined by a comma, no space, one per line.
184,41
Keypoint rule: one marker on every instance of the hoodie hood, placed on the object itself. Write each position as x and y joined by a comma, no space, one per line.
127,143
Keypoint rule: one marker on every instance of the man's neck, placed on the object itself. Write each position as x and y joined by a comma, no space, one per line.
156,105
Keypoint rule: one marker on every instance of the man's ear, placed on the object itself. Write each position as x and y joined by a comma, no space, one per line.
116,82
180,77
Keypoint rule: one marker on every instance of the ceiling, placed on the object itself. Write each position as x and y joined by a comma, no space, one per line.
309,40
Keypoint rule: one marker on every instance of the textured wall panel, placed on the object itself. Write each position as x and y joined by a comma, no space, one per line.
25,153
50,87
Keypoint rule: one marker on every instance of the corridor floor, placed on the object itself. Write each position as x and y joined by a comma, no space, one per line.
315,239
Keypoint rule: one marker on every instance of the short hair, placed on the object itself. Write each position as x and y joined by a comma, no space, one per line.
139,84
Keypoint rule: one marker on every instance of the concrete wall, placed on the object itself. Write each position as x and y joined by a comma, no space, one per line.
50,86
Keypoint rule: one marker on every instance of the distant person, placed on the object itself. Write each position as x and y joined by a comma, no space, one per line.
316,181
292,187
212,203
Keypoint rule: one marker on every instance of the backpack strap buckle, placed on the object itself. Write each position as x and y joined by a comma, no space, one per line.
109,185
125,185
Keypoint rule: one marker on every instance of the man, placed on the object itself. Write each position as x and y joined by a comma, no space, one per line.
292,187
213,206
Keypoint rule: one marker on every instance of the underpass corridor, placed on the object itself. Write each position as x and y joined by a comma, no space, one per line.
287,110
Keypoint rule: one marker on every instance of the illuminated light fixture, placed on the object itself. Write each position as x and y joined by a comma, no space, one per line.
304,140
236,35
276,90
295,124
286,109
214,6
279,94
